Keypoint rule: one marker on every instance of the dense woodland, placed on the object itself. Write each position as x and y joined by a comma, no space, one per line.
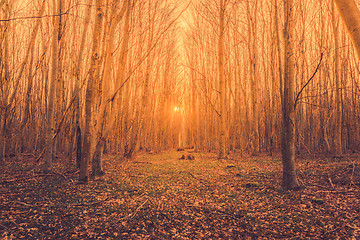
205,115
83,78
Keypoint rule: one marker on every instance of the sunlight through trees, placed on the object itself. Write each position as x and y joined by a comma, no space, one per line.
83,78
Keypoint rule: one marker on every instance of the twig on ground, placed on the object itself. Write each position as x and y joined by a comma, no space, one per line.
91,204
26,204
4,226
192,175
132,215
319,186
30,178
353,171
337,191
332,185
24,179
301,182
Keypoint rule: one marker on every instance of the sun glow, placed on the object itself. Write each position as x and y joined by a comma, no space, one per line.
176,109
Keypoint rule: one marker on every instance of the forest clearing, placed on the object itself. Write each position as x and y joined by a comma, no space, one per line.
160,196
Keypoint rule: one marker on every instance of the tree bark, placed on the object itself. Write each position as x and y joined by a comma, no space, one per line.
104,123
350,14
78,138
90,97
338,110
290,181
252,48
4,79
221,73
49,144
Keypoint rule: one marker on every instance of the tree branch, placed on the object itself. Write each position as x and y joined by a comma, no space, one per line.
307,83
113,95
44,16
57,131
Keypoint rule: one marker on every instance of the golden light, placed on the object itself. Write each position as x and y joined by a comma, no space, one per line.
176,109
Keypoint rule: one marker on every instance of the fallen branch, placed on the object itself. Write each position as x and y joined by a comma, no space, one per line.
4,226
26,204
24,179
331,183
30,178
132,215
338,191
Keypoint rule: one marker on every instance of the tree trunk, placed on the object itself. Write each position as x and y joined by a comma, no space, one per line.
4,79
78,137
290,181
89,98
51,96
252,48
221,73
102,122
350,14
60,88
338,110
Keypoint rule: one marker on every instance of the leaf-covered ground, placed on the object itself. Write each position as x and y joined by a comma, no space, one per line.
164,197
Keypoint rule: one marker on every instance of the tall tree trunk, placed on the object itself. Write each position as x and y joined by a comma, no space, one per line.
141,130
222,147
290,180
102,124
51,96
252,48
350,14
78,138
4,79
90,96
338,110
60,93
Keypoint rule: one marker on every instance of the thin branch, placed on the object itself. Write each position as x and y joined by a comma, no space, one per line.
314,105
202,90
91,203
67,12
147,54
33,17
203,75
57,131
132,215
307,83
192,175
39,17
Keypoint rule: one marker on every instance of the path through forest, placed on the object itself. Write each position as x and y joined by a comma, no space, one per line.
161,196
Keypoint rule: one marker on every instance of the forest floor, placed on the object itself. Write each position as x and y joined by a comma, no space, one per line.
160,196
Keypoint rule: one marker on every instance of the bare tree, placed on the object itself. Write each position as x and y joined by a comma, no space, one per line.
290,180
104,125
222,84
77,85
49,144
5,8
94,72
338,110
